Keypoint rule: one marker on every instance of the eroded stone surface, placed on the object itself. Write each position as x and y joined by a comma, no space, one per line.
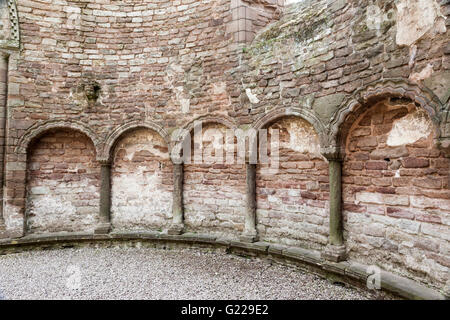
63,184
396,198
141,182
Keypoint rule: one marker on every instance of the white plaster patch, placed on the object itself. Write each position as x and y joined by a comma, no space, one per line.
252,97
219,87
417,17
56,210
138,200
409,129
303,139
12,217
147,145
375,17
422,75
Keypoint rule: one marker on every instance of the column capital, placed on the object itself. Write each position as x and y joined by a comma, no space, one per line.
444,145
104,162
333,153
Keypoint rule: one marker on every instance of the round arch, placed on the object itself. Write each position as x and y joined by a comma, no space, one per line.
181,134
356,104
116,133
41,128
305,114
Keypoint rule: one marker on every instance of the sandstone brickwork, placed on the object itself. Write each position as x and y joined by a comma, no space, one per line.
62,184
94,95
292,199
396,194
141,178
214,191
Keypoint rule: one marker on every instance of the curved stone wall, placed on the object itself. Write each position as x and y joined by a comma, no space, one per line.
348,85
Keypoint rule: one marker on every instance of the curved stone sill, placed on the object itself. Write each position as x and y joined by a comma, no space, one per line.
347,271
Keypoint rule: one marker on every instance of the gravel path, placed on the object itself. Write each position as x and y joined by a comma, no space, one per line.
132,273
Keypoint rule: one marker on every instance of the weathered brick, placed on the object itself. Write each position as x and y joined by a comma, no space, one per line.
415,163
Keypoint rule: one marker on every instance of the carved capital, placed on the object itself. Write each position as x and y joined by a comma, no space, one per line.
333,153
444,145
104,162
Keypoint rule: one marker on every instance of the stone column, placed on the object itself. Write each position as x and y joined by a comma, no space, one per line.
250,234
335,250
177,226
3,115
104,226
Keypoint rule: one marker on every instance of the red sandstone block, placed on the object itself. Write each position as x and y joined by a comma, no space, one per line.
354,207
415,163
376,165
366,142
424,217
428,182
385,190
400,213
308,195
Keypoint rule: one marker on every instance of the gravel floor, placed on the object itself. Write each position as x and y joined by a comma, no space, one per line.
142,273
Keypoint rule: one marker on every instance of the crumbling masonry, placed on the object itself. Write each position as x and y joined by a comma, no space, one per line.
93,92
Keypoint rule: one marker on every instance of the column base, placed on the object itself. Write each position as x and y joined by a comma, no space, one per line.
176,229
334,253
249,237
103,228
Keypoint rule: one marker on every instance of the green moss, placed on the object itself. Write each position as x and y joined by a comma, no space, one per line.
309,31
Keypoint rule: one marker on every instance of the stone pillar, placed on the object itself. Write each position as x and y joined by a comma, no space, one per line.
3,115
250,234
104,226
177,226
335,250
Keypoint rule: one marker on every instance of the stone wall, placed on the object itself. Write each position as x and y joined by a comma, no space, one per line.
141,190
292,199
396,192
214,191
349,84
63,180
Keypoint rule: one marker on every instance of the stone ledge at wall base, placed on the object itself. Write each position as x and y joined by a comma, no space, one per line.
352,273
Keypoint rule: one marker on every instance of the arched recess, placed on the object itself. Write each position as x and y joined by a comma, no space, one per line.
62,180
120,130
141,177
40,128
303,113
214,186
356,104
181,136
396,197
292,195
